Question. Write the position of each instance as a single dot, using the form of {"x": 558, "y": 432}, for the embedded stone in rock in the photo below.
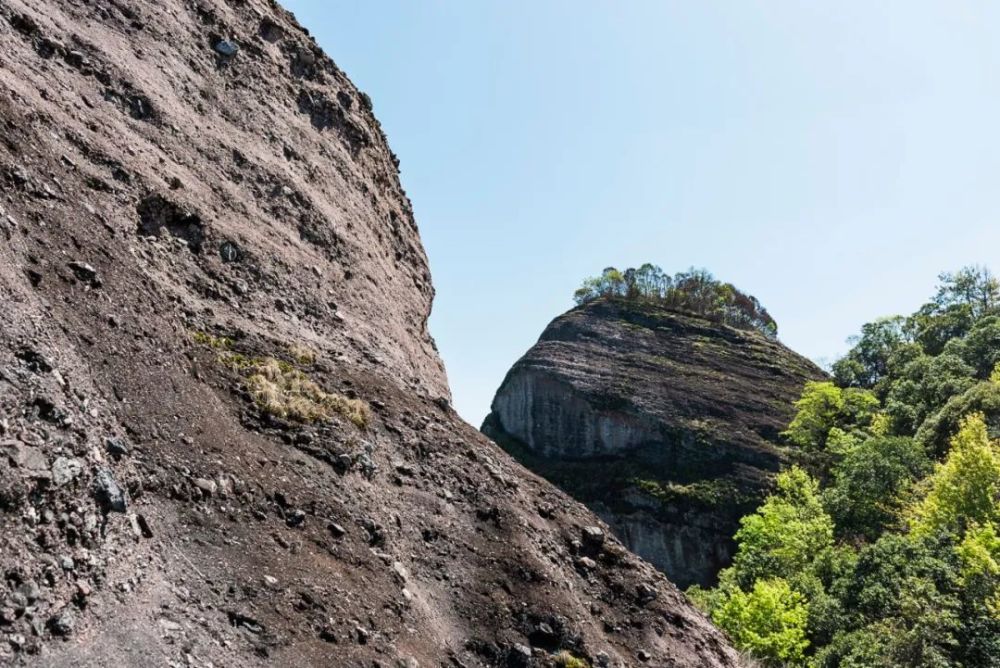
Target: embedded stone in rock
{"x": 270, "y": 31}
{"x": 116, "y": 447}
{"x": 64, "y": 470}
{"x": 84, "y": 272}
{"x": 29, "y": 590}
{"x": 34, "y": 360}
{"x": 593, "y": 537}
{"x": 206, "y": 486}
{"x": 159, "y": 216}
{"x": 144, "y": 529}
{"x": 63, "y": 623}
{"x": 230, "y": 252}
{"x": 108, "y": 492}
{"x": 51, "y": 412}
{"x": 226, "y": 48}
{"x": 16, "y": 602}
{"x": 519, "y": 656}
{"x": 645, "y": 593}
{"x": 32, "y": 460}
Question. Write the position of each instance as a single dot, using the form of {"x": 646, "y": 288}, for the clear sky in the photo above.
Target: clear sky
{"x": 830, "y": 160}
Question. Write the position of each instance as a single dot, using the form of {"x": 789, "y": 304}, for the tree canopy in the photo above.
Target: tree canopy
{"x": 694, "y": 291}
{"x": 881, "y": 546}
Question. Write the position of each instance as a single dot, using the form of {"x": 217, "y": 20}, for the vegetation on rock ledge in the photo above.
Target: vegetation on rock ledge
{"x": 280, "y": 389}
{"x": 694, "y": 291}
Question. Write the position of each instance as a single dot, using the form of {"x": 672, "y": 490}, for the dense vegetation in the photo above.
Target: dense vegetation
{"x": 694, "y": 291}
{"x": 881, "y": 546}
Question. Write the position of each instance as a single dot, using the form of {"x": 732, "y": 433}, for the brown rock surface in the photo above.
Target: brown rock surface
{"x": 665, "y": 424}
{"x": 203, "y": 236}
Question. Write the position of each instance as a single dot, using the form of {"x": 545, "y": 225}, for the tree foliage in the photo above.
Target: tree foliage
{"x": 825, "y": 407}
{"x": 965, "y": 488}
{"x": 786, "y": 533}
{"x": 694, "y": 291}
{"x": 892, "y": 545}
{"x": 870, "y": 484}
{"x": 769, "y": 621}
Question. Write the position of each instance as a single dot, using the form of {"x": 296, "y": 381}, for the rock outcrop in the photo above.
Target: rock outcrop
{"x": 665, "y": 424}
{"x": 225, "y": 433}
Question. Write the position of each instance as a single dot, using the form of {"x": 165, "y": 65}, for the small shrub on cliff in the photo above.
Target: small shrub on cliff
{"x": 212, "y": 341}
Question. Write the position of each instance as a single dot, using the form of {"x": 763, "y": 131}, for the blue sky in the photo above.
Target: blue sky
{"x": 830, "y": 159}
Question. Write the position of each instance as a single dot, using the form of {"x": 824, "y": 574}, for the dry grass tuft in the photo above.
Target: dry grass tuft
{"x": 302, "y": 354}
{"x": 282, "y": 390}
{"x": 566, "y": 660}
{"x": 278, "y": 388}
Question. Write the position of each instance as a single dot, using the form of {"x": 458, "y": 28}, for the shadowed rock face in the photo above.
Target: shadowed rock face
{"x": 663, "y": 423}
{"x": 225, "y": 436}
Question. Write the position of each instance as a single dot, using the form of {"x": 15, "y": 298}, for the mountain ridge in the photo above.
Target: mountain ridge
{"x": 225, "y": 430}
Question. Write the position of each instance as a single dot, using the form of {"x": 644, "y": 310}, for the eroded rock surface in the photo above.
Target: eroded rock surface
{"x": 664, "y": 424}
{"x": 225, "y": 437}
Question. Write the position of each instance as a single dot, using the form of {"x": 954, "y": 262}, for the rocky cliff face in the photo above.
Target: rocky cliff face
{"x": 664, "y": 424}
{"x": 225, "y": 436}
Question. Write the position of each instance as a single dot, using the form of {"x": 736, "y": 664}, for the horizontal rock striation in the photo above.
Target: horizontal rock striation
{"x": 663, "y": 423}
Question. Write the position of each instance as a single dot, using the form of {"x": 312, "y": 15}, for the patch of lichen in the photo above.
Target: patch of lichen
{"x": 279, "y": 388}
{"x": 608, "y": 480}
{"x": 212, "y": 341}
{"x": 709, "y": 493}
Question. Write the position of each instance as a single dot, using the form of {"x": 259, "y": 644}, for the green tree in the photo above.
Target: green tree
{"x": 868, "y": 360}
{"x": 979, "y": 561}
{"x": 962, "y": 298}
{"x": 980, "y": 348}
{"x": 785, "y": 535}
{"x": 870, "y": 482}
{"x": 923, "y": 386}
{"x": 965, "y": 488}
{"x": 823, "y": 407}
{"x": 694, "y": 291}
{"x": 904, "y": 588}
{"x": 936, "y": 431}
{"x": 973, "y": 286}
{"x": 769, "y": 622}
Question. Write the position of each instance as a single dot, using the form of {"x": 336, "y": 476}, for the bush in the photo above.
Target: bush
{"x": 769, "y": 622}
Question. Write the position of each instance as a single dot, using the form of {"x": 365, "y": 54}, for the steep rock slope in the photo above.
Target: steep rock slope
{"x": 663, "y": 423}
{"x": 225, "y": 436}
